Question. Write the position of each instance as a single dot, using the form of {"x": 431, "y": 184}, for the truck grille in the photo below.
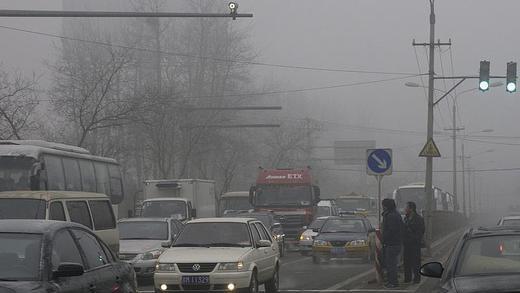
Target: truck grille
{"x": 191, "y": 267}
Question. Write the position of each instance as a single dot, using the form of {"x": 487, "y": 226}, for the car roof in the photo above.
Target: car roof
{"x": 223, "y": 220}
{"x": 50, "y": 195}
{"x": 143, "y": 219}
{"x": 34, "y": 226}
{"x": 166, "y": 198}
{"x": 493, "y": 231}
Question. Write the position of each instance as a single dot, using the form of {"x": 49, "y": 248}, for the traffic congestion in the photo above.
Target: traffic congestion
{"x": 158, "y": 146}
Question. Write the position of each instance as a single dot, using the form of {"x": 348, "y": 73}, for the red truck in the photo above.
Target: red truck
{"x": 290, "y": 194}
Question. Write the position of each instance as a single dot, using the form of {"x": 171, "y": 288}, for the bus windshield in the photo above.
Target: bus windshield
{"x": 15, "y": 173}
{"x": 280, "y": 195}
{"x": 415, "y": 194}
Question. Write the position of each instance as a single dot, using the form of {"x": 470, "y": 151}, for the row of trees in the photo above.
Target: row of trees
{"x": 145, "y": 93}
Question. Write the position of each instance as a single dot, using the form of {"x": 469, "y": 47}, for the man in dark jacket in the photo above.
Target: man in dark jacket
{"x": 391, "y": 228}
{"x": 412, "y": 239}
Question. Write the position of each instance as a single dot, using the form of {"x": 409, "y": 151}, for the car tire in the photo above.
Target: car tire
{"x": 253, "y": 284}
{"x": 316, "y": 259}
{"x": 273, "y": 285}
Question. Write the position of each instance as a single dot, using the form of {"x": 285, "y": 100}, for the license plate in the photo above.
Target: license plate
{"x": 195, "y": 280}
{"x": 338, "y": 251}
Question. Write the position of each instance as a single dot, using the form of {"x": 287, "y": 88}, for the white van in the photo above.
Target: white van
{"x": 93, "y": 210}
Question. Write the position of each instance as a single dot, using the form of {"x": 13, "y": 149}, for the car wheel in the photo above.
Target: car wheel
{"x": 253, "y": 284}
{"x": 273, "y": 285}
{"x": 316, "y": 259}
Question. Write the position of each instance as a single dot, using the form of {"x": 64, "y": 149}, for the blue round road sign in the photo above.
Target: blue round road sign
{"x": 379, "y": 161}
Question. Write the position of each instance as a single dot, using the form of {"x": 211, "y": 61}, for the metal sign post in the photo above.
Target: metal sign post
{"x": 379, "y": 182}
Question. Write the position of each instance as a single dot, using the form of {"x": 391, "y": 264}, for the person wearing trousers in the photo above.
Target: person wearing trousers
{"x": 412, "y": 242}
{"x": 392, "y": 227}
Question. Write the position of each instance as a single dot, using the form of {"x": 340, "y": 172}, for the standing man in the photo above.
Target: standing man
{"x": 392, "y": 228}
{"x": 412, "y": 240}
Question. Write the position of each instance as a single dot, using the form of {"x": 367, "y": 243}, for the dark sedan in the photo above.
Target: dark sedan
{"x": 484, "y": 260}
{"x": 344, "y": 237}
{"x": 51, "y": 256}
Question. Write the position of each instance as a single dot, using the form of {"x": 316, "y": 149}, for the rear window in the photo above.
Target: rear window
{"x": 22, "y": 208}
{"x": 78, "y": 213}
{"x": 102, "y": 213}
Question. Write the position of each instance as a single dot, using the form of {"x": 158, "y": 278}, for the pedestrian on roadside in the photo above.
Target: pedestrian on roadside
{"x": 412, "y": 242}
{"x": 392, "y": 227}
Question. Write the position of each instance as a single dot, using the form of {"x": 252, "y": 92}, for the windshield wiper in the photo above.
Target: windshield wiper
{"x": 190, "y": 245}
{"x": 223, "y": 244}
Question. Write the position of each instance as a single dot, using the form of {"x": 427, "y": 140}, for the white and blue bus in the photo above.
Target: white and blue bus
{"x": 41, "y": 165}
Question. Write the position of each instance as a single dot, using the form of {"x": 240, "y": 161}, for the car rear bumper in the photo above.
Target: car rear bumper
{"x": 350, "y": 252}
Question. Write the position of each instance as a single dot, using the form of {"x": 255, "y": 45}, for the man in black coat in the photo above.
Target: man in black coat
{"x": 412, "y": 240}
{"x": 391, "y": 228}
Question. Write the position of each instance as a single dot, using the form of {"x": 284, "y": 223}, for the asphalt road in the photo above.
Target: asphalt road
{"x": 299, "y": 273}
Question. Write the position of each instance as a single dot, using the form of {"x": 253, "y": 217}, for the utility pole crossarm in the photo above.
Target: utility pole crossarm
{"x": 114, "y": 14}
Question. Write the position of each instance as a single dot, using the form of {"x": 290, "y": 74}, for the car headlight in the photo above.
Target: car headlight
{"x": 321, "y": 243}
{"x": 231, "y": 266}
{"x": 154, "y": 254}
{"x": 278, "y": 236}
{"x": 358, "y": 243}
{"x": 305, "y": 237}
{"x": 165, "y": 267}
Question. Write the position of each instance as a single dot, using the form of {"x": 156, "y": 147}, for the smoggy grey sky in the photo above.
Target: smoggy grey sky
{"x": 371, "y": 35}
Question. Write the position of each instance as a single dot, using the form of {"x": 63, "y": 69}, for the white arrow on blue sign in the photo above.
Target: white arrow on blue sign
{"x": 379, "y": 162}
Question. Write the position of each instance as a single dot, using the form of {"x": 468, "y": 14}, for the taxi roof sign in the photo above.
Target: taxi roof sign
{"x": 430, "y": 149}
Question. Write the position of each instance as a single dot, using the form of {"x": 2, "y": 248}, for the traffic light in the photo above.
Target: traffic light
{"x": 511, "y": 77}
{"x": 484, "y": 76}
{"x": 233, "y": 7}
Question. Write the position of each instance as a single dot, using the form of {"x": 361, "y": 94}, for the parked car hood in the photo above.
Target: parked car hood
{"x": 341, "y": 236}
{"x": 139, "y": 246}
{"x": 21, "y": 286}
{"x": 202, "y": 254}
{"x": 502, "y": 283}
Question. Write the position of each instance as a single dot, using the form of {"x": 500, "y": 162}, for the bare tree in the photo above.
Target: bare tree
{"x": 18, "y": 101}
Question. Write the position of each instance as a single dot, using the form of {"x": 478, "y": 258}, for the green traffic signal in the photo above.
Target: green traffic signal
{"x": 511, "y": 77}
{"x": 484, "y": 76}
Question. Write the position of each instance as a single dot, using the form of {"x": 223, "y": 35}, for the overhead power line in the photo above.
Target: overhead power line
{"x": 435, "y": 171}
{"x": 177, "y": 54}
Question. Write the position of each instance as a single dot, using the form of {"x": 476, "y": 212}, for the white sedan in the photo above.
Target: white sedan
{"x": 220, "y": 254}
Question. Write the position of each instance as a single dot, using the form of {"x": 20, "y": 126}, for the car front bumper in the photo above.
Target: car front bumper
{"x": 218, "y": 281}
{"x": 350, "y": 252}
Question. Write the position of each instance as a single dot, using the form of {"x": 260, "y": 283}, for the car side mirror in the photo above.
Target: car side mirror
{"x": 263, "y": 243}
{"x": 305, "y": 227}
{"x": 166, "y": 244}
{"x": 432, "y": 270}
{"x": 68, "y": 270}
{"x": 193, "y": 213}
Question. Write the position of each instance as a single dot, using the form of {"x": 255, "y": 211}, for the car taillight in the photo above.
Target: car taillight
{"x": 117, "y": 289}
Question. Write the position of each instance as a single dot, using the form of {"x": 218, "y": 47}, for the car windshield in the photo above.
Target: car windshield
{"x": 15, "y": 173}
{"x": 22, "y": 208}
{"x": 343, "y": 225}
{"x": 235, "y": 204}
{"x": 317, "y": 224}
{"x": 143, "y": 230}
{"x": 490, "y": 255}
{"x": 323, "y": 211}
{"x": 165, "y": 209}
{"x": 352, "y": 204}
{"x": 20, "y": 256}
{"x": 511, "y": 222}
{"x": 217, "y": 234}
{"x": 284, "y": 195}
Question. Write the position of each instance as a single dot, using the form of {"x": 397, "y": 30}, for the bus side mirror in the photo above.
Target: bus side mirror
{"x": 316, "y": 190}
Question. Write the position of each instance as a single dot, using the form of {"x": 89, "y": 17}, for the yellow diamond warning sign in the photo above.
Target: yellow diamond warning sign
{"x": 430, "y": 150}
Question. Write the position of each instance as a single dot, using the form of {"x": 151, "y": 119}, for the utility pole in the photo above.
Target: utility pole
{"x": 454, "y": 136}
{"x": 429, "y": 137}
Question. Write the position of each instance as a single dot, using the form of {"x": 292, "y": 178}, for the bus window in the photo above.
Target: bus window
{"x": 102, "y": 182}
{"x": 88, "y": 178}
{"x": 72, "y": 177}
{"x": 116, "y": 184}
{"x": 55, "y": 177}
